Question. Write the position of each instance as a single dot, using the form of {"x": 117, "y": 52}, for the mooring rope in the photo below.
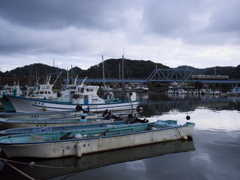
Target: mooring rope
{"x": 7, "y": 160}
{"x": 179, "y": 132}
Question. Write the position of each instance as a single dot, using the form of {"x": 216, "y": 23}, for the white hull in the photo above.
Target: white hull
{"x": 30, "y": 105}
{"x": 95, "y": 160}
{"x": 91, "y": 145}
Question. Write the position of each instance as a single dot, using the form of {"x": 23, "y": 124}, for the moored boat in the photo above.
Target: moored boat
{"x": 235, "y": 92}
{"x": 77, "y": 143}
{"x": 9, "y": 90}
{"x": 86, "y": 96}
{"x": 99, "y": 124}
{"x": 40, "y": 114}
{"x": 22, "y": 123}
{"x": 46, "y": 168}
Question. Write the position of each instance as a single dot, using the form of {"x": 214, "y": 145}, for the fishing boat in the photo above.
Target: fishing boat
{"x": 15, "y": 89}
{"x": 43, "y": 91}
{"x": 9, "y": 90}
{"x": 99, "y": 124}
{"x": 48, "y": 114}
{"x": 145, "y": 88}
{"x": 235, "y": 92}
{"x": 43, "y": 123}
{"x": 47, "y": 168}
{"x": 80, "y": 142}
{"x": 86, "y": 96}
{"x": 114, "y": 121}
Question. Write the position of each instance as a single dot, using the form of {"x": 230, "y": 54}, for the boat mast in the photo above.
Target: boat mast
{"x": 123, "y": 86}
{"x": 103, "y": 73}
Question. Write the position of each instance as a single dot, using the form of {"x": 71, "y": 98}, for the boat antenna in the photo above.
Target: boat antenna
{"x": 75, "y": 82}
{"x": 103, "y": 72}
{"x": 57, "y": 78}
{"x": 83, "y": 81}
{"x": 123, "y": 86}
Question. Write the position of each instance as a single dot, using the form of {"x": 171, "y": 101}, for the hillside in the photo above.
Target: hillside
{"x": 133, "y": 69}
{"x": 232, "y": 72}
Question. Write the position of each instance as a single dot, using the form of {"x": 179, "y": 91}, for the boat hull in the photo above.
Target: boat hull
{"x": 79, "y": 147}
{"x": 7, "y": 105}
{"x": 73, "y": 164}
{"x": 40, "y": 114}
{"x": 39, "y": 124}
{"x": 30, "y": 105}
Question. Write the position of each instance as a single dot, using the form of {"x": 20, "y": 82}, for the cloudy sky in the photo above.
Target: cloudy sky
{"x": 199, "y": 33}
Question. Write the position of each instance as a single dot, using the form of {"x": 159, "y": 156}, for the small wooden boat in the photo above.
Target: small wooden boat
{"x": 99, "y": 124}
{"x": 79, "y": 142}
{"x": 39, "y": 114}
{"x": 47, "y": 168}
{"x": 66, "y": 120}
{"x": 23, "y": 123}
{"x": 69, "y": 116}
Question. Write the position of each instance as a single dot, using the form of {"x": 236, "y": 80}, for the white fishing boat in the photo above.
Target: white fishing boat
{"x": 43, "y": 91}
{"x": 67, "y": 92}
{"x": 137, "y": 87}
{"x": 9, "y": 90}
{"x": 145, "y": 88}
{"x": 85, "y": 96}
{"x": 235, "y": 92}
{"x": 80, "y": 142}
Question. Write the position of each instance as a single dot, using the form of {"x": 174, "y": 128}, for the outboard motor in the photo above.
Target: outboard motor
{"x": 133, "y": 119}
{"x": 130, "y": 119}
{"x": 107, "y": 114}
{"x": 79, "y": 108}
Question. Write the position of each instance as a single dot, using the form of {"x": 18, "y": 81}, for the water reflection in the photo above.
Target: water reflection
{"x": 159, "y": 104}
{"x": 216, "y": 140}
{"x": 55, "y": 167}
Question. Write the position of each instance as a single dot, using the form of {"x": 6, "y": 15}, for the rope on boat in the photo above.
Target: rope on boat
{"x": 179, "y": 132}
{"x": 184, "y": 137}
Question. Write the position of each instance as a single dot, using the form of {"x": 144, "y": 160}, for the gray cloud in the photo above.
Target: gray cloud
{"x": 61, "y": 14}
{"x": 169, "y": 32}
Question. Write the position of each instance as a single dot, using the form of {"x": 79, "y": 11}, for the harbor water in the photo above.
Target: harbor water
{"x": 212, "y": 154}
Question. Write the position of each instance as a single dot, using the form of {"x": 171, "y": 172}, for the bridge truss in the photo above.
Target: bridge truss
{"x": 172, "y": 75}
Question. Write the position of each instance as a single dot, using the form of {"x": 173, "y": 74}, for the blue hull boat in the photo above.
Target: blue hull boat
{"x": 85, "y": 141}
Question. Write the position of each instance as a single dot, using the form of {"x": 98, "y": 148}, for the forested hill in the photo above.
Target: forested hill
{"x": 132, "y": 69}
{"x": 232, "y": 72}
